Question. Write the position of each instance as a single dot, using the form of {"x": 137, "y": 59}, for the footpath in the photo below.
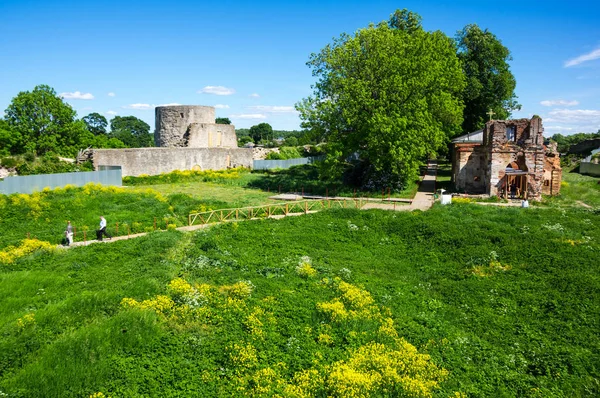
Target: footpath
{"x": 423, "y": 200}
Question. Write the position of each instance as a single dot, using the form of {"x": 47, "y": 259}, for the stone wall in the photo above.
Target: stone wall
{"x": 152, "y": 161}
{"x": 468, "y": 168}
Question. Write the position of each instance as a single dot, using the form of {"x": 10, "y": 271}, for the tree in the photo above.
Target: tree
{"x": 490, "y": 83}
{"x": 134, "y": 132}
{"x": 261, "y": 131}
{"x": 243, "y": 140}
{"x": 96, "y": 123}
{"x": 10, "y": 140}
{"x": 389, "y": 94}
{"x": 222, "y": 120}
{"x": 45, "y": 122}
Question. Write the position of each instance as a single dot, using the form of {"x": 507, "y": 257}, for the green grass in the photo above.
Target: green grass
{"x": 305, "y": 179}
{"x": 576, "y": 189}
{"x": 505, "y": 299}
{"x": 232, "y": 195}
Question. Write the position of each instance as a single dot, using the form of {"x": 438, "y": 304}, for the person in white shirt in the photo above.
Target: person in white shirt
{"x": 102, "y": 230}
{"x": 69, "y": 233}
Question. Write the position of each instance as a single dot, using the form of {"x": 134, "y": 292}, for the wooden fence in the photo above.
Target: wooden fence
{"x": 272, "y": 210}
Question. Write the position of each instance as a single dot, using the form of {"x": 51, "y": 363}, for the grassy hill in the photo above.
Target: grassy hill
{"x": 457, "y": 301}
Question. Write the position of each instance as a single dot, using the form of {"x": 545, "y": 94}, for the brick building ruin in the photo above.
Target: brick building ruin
{"x": 507, "y": 158}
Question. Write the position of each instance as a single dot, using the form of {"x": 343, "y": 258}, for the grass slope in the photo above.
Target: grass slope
{"x": 503, "y": 300}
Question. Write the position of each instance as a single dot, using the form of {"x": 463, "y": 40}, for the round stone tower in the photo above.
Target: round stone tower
{"x": 173, "y": 123}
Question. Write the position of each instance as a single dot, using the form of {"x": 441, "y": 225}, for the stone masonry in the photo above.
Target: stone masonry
{"x": 191, "y": 126}
{"x": 186, "y": 138}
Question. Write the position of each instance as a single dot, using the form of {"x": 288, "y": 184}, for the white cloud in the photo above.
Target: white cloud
{"x": 249, "y": 116}
{"x": 77, "y": 95}
{"x": 170, "y": 104}
{"x": 111, "y": 113}
{"x": 111, "y": 94}
{"x": 583, "y": 58}
{"x": 221, "y": 106}
{"x": 573, "y": 120}
{"x": 217, "y": 90}
{"x": 559, "y": 103}
{"x": 254, "y": 95}
{"x": 273, "y": 109}
{"x": 139, "y": 107}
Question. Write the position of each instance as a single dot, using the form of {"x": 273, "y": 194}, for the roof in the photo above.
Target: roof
{"x": 476, "y": 136}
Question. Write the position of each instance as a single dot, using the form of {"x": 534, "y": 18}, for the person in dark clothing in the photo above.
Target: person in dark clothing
{"x": 513, "y": 190}
{"x": 102, "y": 230}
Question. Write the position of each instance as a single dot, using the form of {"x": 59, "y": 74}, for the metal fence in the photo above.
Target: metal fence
{"x": 33, "y": 183}
{"x": 589, "y": 168}
{"x": 282, "y": 164}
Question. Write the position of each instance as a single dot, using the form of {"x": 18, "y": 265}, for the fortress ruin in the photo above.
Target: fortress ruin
{"x": 186, "y": 138}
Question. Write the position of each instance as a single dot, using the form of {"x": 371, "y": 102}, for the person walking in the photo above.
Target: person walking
{"x": 102, "y": 230}
{"x": 69, "y": 233}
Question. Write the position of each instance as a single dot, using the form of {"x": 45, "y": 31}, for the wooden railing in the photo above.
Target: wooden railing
{"x": 272, "y": 210}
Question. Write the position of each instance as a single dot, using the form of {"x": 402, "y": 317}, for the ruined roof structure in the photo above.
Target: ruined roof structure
{"x": 506, "y": 158}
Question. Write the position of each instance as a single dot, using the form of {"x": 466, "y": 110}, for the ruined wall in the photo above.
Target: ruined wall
{"x": 468, "y": 168}
{"x": 523, "y": 146}
{"x": 204, "y": 135}
{"x": 552, "y": 171}
{"x": 152, "y": 161}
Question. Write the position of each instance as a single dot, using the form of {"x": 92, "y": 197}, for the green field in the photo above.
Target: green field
{"x": 462, "y": 299}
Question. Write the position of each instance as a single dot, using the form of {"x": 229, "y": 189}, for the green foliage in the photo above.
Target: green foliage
{"x": 223, "y": 120}
{"x": 290, "y": 141}
{"x": 133, "y": 132}
{"x": 389, "y": 93}
{"x": 565, "y": 142}
{"x": 44, "y": 215}
{"x": 490, "y": 83}
{"x": 10, "y": 140}
{"x": 96, "y": 123}
{"x": 243, "y": 140}
{"x": 285, "y": 153}
{"x": 29, "y": 164}
{"x": 479, "y": 301}
{"x": 308, "y": 179}
{"x": 45, "y": 123}
{"x": 261, "y": 131}
{"x": 178, "y": 176}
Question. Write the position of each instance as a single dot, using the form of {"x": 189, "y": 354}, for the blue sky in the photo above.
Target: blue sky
{"x": 249, "y": 58}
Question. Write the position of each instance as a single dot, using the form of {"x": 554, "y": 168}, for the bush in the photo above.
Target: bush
{"x": 9, "y": 163}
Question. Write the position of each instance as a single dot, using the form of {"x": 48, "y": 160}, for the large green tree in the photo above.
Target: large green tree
{"x": 96, "y": 123}
{"x": 46, "y": 123}
{"x": 490, "y": 83}
{"x": 261, "y": 131}
{"x": 389, "y": 93}
{"x": 134, "y": 132}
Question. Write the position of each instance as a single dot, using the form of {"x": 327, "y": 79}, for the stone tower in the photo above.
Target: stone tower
{"x": 191, "y": 126}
